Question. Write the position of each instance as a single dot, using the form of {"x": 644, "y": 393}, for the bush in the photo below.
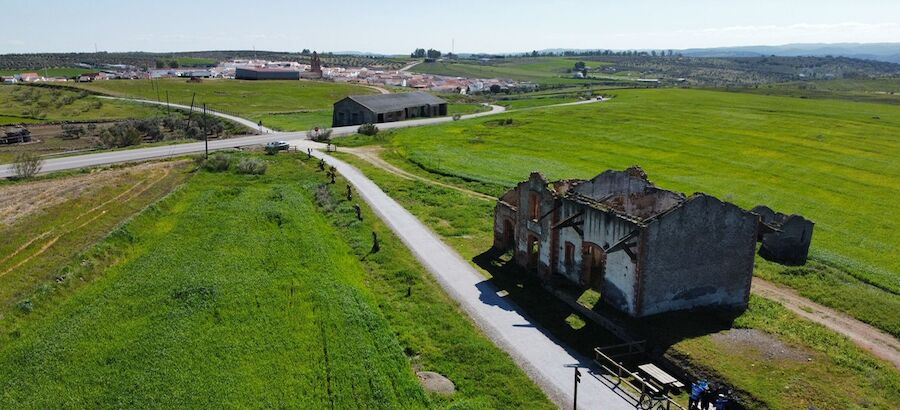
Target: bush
{"x": 456, "y": 117}
{"x": 27, "y": 165}
{"x": 251, "y": 166}
{"x": 73, "y": 131}
{"x": 368, "y": 129}
{"x": 120, "y": 135}
{"x": 319, "y": 134}
{"x": 271, "y": 150}
{"x": 218, "y": 162}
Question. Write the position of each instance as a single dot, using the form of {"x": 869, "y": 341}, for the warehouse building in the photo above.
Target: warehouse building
{"x": 266, "y": 74}
{"x": 371, "y": 109}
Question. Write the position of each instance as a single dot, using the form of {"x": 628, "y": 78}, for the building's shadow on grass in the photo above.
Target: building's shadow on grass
{"x": 548, "y": 311}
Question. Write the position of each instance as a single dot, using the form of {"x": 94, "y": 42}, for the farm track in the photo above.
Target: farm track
{"x": 863, "y": 335}
{"x": 373, "y": 156}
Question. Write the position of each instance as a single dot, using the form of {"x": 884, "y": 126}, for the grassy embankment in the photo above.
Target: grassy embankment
{"x": 816, "y": 158}
{"x": 282, "y": 105}
{"x": 240, "y": 290}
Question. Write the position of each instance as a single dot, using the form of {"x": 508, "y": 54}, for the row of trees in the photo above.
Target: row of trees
{"x": 422, "y": 53}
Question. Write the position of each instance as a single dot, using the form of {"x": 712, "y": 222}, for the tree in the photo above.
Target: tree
{"x": 419, "y": 53}
{"x": 305, "y": 51}
{"x": 534, "y": 53}
{"x": 27, "y": 165}
{"x": 160, "y": 64}
{"x": 580, "y": 66}
{"x": 432, "y": 53}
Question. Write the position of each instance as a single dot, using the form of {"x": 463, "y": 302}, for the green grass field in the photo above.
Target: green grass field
{"x": 541, "y": 70}
{"x": 832, "y": 161}
{"x": 29, "y": 105}
{"x": 67, "y": 72}
{"x": 285, "y": 105}
{"x": 876, "y": 90}
{"x": 839, "y": 375}
{"x": 240, "y": 291}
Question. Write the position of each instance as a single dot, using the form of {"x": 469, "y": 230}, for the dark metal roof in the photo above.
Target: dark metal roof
{"x": 382, "y": 103}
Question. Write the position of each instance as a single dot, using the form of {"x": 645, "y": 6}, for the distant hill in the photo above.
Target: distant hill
{"x": 889, "y": 52}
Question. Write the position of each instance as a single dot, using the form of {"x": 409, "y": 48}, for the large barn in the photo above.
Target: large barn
{"x": 266, "y": 74}
{"x": 371, "y": 109}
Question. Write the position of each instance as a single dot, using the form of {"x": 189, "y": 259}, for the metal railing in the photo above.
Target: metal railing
{"x": 646, "y": 395}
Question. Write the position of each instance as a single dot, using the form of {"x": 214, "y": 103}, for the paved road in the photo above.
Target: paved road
{"x": 139, "y": 154}
{"x": 546, "y": 360}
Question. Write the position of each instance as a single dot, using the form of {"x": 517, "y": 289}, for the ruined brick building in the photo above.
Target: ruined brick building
{"x": 646, "y": 250}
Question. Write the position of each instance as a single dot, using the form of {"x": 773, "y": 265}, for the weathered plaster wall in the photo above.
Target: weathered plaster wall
{"x": 697, "y": 255}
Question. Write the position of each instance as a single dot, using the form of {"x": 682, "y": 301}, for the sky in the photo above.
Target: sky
{"x": 395, "y": 27}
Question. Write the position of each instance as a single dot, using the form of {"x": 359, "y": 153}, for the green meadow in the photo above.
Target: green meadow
{"x": 246, "y": 291}
{"x": 831, "y": 161}
{"x": 285, "y": 105}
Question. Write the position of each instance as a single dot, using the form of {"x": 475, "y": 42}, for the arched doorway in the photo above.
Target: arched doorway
{"x": 593, "y": 265}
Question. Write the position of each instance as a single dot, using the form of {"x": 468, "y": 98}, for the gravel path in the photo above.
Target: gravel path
{"x": 546, "y": 360}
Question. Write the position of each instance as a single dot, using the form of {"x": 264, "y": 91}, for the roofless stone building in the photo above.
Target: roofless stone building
{"x": 646, "y": 250}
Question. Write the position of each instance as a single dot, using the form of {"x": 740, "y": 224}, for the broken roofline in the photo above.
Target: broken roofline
{"x": 598, "y": 204}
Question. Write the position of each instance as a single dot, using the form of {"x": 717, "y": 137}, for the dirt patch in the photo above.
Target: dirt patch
{"x": 762, "y": 344}
{"x": 863, "y": 335}
{"x": 25, "y": 199}
{"x": 435, "y": 382}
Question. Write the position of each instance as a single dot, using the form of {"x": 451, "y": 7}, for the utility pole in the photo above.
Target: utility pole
{"x": 191, "y": 112}
{"x": 205, "y": 135}
{"x": 575, "y": 397}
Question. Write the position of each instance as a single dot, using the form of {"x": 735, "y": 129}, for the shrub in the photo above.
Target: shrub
{"x": 218, "y": 162}
{"x": 456, "y": 117}
{"x": 319, "y": 134}
{"x": 27, "y": 165}
{"x": 251, "y": 166}
{"x": 271, "y": 150}
{"x": 72, "y": 131}
{"x": 368, "y": 129}
{"x": 120, "y": 135}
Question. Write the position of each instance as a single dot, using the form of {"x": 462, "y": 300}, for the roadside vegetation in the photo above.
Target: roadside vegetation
{"x": 282, "y": 105}
{"x": 67, "y": 72}
{"x": 238, "y": 290}
{"x": 773, "y": 358}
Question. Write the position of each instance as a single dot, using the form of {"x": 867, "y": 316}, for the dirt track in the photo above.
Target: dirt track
{"x": 372, "y": 155}
{"x": 879, "y": 343}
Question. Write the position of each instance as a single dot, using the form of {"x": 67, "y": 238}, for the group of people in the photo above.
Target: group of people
{"x": 704, "y": 393}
